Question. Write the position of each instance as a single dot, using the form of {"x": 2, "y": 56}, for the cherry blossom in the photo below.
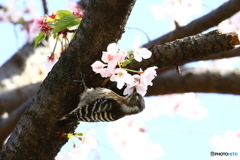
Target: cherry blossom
{"x": 53, "y": 16}
{"x": 46, "y": 29}
{"x": 112, "y": 56}
{"x": 37, "y": 25}
{"x": 50, "y": 62}
{"x": 121, "y": 77}
{"x": 131, "y": 141}
{"x": 78, "y": 12}
{"x": 12, "y": 14}
{"x": 73, "y": 154}
{"x": 158, "y": 11}
{"x": 187, "y": 105}
{"x": 76, "y": 153}
{"x": 138, "y": 52}
{"x": 148, "y": 75}
{"x": 88, "y": 141}
{"x": 141, "y": 82}
{"x": 115, "y": 58}
{"x": 98, "y": 66}
{"x": 182, "y": 11}
{"x": 2, "y": 15}
{"x": 136, "y": 85}
{"x": 123, "y": 55}
{"x": 40, "y": 25}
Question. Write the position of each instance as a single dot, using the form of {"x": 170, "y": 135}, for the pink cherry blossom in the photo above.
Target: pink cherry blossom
{"x": 141, "y": 89}
{"x": 46, "y": 29}
{"x": 136, "y": 85}
{"x": 148, "y": 75}
{"x": 107, "y": 72}
{"x": 74, "y": 154}
{"x": 140, "y": 53}
{"x": 40, "y": 25}
{"x": 121, "y": 77}
{"x": 123, "y": 54}
{"x": 98, "y": 66}
{"x": 53, "y": 16}
{"x": 112, "y": 56}
{"x": 130, "y": 139}
{"x": 88, "y": 141}
{"x": 78, "y": 12}
{"x": 51, "y": 58}
{"x": 158, "y": 12}
{"x": 50, "y": 62}
{"x": 37, "y": 25}
{"x": 11, "y": 13}
{"x": 182, "y": 11}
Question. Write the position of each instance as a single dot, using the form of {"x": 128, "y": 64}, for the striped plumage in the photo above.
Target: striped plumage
{"x": 104, "y": 105}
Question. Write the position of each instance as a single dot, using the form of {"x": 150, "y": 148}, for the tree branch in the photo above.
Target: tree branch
{"x": 18, "y": 95}
{"x": 22, "y": 69}
{"x": 197, "y": 80}
{"x": 45, "y": 9}
{"x": 227, "y": 54}
{"x": 38, "y": 132}
{"x": 188, "y": 49}
{"x": 7, "y": 125}
{"x": 211, "y": 19}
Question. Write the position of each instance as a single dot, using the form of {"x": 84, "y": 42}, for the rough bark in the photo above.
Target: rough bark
{"x": 224, "y": 81}
{"x": 37, "y": 135}
{"x": 228, "y": 54}
{"x": 188, "y": 49}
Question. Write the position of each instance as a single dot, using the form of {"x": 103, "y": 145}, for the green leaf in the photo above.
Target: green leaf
{"x": 39, "y": 38}
{"x": 62, "y": 13}
{"x": 74, "y": 23}
{"x": 67, "y": 21}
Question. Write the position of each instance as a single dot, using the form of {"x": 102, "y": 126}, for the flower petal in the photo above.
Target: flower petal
{"x": 137, "y": 56}
{"x": 145, "y": 53}
{"x": 112, "y": 48}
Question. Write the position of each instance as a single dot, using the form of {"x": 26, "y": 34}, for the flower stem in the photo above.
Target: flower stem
{"x": 54, "y": 47}
{"x": 131, "y": 70}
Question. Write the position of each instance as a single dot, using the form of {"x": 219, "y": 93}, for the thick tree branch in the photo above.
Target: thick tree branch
{"x": 18, "y": 95}
{"x": 197, "y": 80}
{"x": 7, "y": 125}
{"x": 18, "y": 72}
{"x": 212, "y": 19}
{"x": 227, "y": 54}
{"x": 38, "y": 132}
{"x": 188, "y": 49}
